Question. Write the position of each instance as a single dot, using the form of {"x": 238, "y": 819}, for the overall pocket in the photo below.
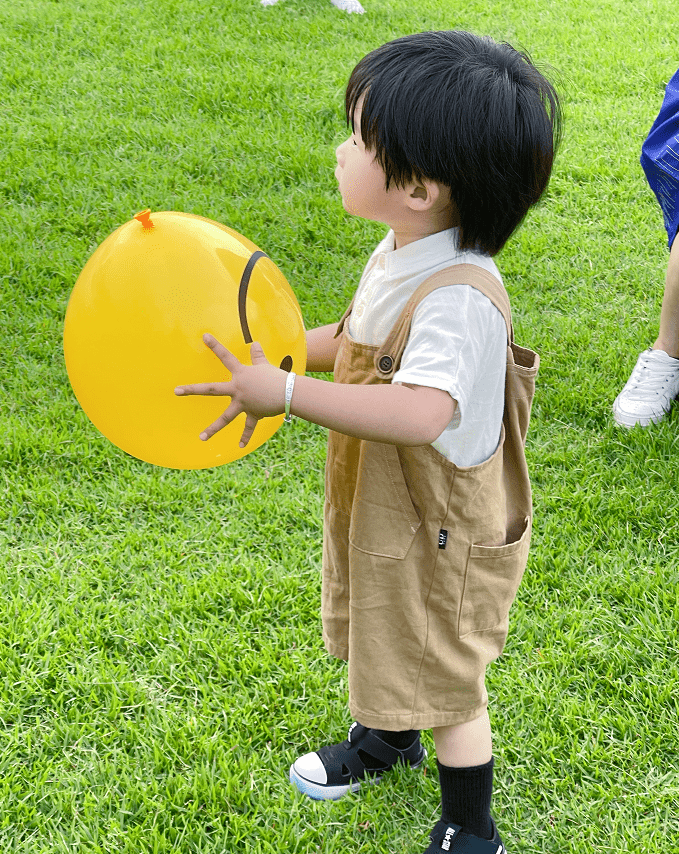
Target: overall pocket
{"x": 383, "y": 519}
{"x": 492, "y": 578}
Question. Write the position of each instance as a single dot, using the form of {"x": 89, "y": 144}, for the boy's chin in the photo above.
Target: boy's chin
{"x": 361, "y": 214}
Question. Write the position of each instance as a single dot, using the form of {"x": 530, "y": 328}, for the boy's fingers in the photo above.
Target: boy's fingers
{"x": 225, "y": 356}
{"x": 257, "y": 354}
{"x": 250, "y": 424}
{"x": 220, "y": 389}
{"x": 225, "y": 418}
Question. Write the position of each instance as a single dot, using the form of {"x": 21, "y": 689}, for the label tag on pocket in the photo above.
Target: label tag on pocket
{"x": 443, "y": 538}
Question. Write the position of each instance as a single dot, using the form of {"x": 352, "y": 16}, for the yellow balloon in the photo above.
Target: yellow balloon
{"x": 134, "y": 327}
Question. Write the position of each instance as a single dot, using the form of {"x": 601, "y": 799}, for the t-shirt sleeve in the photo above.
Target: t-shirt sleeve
{"x": 456, "y": 333}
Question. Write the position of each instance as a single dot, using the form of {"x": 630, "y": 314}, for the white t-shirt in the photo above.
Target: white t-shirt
{"x": 458, "y": 339}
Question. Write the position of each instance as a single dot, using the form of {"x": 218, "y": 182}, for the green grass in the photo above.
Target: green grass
{"x": 160, "y": 643}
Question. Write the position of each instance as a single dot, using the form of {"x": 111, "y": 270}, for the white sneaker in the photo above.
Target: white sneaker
{"x": 349, "y": 6}
{"x": 650, "y": 390}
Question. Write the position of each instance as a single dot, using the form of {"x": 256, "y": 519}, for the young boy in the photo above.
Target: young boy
{"x": 647, "y": 395}
{"x": 425, "y": 533}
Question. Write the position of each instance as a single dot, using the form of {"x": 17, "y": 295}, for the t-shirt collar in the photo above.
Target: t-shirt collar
{"x": 419, "y": 255}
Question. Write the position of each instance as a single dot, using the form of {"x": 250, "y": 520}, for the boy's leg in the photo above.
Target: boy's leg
{"x": 465, "y": 762}
{"x": 464, "y": 745}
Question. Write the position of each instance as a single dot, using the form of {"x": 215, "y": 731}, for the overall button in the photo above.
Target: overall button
{"x": 385, "y": 364}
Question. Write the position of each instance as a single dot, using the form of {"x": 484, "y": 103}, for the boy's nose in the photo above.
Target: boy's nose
{"x": 339, "y": 153}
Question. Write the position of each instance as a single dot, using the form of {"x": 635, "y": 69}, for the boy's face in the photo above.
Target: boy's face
{"x": 412, "y": 211}
{"x": 362, "y": 182}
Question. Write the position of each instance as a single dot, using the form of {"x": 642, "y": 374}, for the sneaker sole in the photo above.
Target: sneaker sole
{"x": 630, "y": 421}
{"x": 319, "y": 792}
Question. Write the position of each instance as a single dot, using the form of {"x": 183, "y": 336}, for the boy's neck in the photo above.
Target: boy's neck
{"x": 403, "y": 238}
{"x": 423, "y": 224}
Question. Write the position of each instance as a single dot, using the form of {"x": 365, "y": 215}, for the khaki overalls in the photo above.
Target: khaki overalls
{"x": 422, "y": 558}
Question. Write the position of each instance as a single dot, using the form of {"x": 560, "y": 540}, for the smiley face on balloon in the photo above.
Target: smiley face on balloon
{"x": 135, "y": 324}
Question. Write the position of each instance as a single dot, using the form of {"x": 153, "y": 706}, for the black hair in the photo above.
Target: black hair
{"x": 467, "y": 112}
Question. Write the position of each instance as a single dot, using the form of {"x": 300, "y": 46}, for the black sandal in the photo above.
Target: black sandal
{"x": 449, "y": 837}
{"x": 332, "y": 771}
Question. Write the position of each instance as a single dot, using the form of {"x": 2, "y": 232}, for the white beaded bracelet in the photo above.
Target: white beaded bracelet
{"x": 289, "y": 386}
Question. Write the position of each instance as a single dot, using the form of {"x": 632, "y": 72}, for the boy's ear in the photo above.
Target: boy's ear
{"x": 423, "y": 195}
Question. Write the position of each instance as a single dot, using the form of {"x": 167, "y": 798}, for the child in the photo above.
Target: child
{"x": 427, "y": 515}
{"x": 654, "y": 383}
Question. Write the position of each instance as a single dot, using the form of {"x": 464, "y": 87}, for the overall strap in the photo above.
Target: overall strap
{"x": 388, "y": 356}
{"x": 344, "y": 318}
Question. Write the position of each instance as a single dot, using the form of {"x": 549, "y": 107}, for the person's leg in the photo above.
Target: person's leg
{"x": 465, "y": 744}
{"x": 668, "y": 337}
{"x": 465, "y": 761}
{"x": 654, "y": 383}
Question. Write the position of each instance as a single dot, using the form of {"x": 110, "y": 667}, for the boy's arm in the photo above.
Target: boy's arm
{"x": 395, "y": 414}
{"x": 322, "y": 347}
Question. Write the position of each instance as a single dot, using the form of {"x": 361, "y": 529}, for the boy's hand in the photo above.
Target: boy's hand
{"x": 258, "y": 390}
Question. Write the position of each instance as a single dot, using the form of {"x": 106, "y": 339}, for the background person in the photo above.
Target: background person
{"x": 654, "y": 383}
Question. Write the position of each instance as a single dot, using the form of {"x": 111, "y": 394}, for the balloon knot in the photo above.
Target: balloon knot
{"x": 144, "y": 217}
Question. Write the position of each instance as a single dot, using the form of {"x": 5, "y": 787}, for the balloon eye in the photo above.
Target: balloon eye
{"x": 286, "y": 364}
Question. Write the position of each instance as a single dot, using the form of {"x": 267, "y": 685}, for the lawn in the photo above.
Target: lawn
{"x": 160, "y": 650}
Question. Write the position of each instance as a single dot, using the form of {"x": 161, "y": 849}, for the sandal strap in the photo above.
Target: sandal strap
{"x": 345, "y": 761}
{"x": 447, "y": 836}
{"x": 373, "y": 745}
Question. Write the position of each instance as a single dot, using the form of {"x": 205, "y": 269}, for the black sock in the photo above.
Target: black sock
{"x": 465, "y": 797}
{"x": 399, "y": 740}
